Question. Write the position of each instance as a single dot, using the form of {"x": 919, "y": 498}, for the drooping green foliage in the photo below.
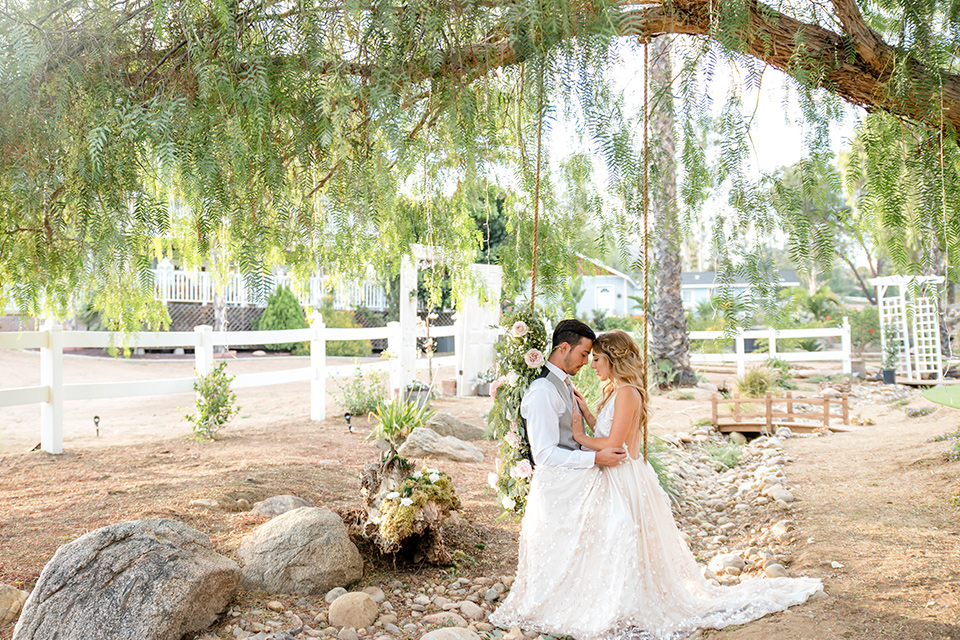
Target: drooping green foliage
{"x": 244, "y": 134}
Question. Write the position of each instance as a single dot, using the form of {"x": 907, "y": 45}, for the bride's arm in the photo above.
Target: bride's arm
{"x": 626, "y": 406}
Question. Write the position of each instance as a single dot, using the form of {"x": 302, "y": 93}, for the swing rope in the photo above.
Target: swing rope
{"x": 536, "y": 194}
{"x": 646, "y": 223}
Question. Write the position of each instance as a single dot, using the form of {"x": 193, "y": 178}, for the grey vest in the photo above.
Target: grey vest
{"x": 566, "y": 418}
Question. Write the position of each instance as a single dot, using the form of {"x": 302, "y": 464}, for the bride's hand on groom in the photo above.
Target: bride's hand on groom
{"x": 584, "y": 407}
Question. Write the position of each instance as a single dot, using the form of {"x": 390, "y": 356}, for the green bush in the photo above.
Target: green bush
{"x": 216, "y": 402}
{"x": 756, "y": 382}
{"x": 396, "y": 419}
{"x": 363, "y": 394}
{"x": 864, "y": 329}
{"x": 780, "y": 369}
{"x": 283, "y": 312}
{"x": 342, "y": 319}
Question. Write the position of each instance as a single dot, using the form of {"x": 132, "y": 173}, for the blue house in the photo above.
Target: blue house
{"x": 697, "y": 286}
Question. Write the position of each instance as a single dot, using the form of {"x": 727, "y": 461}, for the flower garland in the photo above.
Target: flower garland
{"x": 520, "y": 356}
{"x": 399, "y": 508}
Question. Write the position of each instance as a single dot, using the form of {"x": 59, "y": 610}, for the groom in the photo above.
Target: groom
{"x": 548, "y": 405}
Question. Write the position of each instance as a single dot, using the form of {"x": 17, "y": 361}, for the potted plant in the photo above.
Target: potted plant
{"x": 891, "y": 354}
{"x": 418, "y": 393}
{"x": 484, "y": 378}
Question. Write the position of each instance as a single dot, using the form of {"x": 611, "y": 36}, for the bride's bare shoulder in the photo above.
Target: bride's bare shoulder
{"x": 627, "y": 397}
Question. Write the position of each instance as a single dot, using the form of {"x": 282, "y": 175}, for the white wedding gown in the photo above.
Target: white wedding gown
{"x": 602, "y": 558}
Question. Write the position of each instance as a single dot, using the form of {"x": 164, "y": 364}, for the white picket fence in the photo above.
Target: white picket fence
{"x": 176, "y": 285}
{"x": 771, "y": 335}
{"x": 52, "y": 339}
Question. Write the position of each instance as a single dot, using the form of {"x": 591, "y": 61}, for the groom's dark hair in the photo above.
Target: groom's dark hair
{"x": 571, "y": 331}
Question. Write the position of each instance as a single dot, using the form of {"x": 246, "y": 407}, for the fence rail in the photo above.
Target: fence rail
{"x": 52, "y": 339}
{"x": 175, "y": 285}
{"x": 741, "y": 357}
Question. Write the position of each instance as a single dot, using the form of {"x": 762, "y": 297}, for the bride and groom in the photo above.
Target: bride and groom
{"x": 600, "y": 554}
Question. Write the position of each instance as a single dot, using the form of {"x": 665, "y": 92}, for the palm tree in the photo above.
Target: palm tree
{"x": 669, "y": 343}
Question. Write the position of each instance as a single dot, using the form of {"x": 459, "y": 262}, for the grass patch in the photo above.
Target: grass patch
{"x": 724, "y": 454}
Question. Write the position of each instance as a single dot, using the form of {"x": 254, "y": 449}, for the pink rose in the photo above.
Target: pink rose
{"x": 512, "y": 439}
{"x": 533, "y": 358}
{"x": 524, "y": 469}
{"x": 519, "y": 329}
{"x": 493, "y": 388}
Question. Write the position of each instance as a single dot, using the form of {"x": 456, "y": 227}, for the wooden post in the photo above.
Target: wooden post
{"x": 714, "y": 410}
{"x": 846, "y": 408}
{"x": 51, "y": 377}
{"x": 769, "y": 413}
{"x": 318, "y": 362}
{"x": 736, "y": 406}
{"x": 826, "y": 412}
{"x": 790, "y": 406}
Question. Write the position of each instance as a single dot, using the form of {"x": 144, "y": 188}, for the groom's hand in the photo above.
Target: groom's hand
{"x": 610, "y": 457}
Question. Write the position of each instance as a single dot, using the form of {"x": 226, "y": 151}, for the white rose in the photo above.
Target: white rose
{"x": 492, "y": 480}
{"x": 513, "y": 378}
{"x": 434, "y": 477}
{"x": 431, "y": 471}
{"x": 519, "y": 329}
{"x": 508, "y": 503}
{"x": 406, "y": 502}
{"x": 393, "y": 495}
{"x": 418, "y": 475}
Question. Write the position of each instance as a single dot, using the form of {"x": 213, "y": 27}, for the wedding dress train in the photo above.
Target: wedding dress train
{"x": 601, "y": 557}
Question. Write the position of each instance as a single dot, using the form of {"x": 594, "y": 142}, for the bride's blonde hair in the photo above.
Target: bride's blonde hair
{"x": 626, "y": 369}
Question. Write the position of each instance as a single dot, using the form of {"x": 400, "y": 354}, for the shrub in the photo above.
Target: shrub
{"x": 756, "y": 382}
{"x": 781, "y": 372}
{"x": 864, "y": 329}
{"x": 362, "y": 394}
{"x": 216, "y": 402}
{"x": 283, "y": 312}
{"x": 396, "y": 419}
{"x": 341, "y": 319}
{"x": 724, "y": 454}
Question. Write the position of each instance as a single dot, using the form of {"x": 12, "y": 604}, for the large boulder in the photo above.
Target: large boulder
{"x": 11, "y": 601}
{"x": 427, "y": 443}
{"x": 278, "y": 505}
{"x": 448, "y": 425}
{"x": 305, "y": 552}
{"x": 146, "y": 579}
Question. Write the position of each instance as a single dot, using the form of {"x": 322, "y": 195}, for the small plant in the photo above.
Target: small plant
{"x": 781, "y": 371}
{"x": 891, "y": 347}
{"x": 864, "y": 329}
{"x": 724, "y": 454}
{"x": 809, "y": 344}
{"x": 666, "y": 374}
{"x": 756, "y": 382}
{"x": 953, "y": 444}
{"x": 918, "y": 412}
{"x": 487, "y": 376}
{"x": 704, "y": 423}
{"x": 363, "y": 394}
{"x": 216, "y": 403}
{"x": 396, "y": 419}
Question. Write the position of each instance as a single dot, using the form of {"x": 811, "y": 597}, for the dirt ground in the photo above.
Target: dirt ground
{"x": 877, "y": 500}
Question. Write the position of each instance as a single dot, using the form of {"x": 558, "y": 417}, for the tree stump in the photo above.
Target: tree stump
{"x": 406, "y": 530}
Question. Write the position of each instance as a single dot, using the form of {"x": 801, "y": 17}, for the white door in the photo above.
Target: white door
{"x": 606, "y": 298}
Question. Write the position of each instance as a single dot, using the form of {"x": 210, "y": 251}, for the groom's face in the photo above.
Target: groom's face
{"x": 575, "y": 356}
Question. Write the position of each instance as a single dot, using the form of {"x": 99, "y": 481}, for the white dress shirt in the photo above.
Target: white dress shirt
{"x": 541, "y": 407}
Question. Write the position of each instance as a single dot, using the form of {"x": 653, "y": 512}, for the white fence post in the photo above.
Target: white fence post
{"x": 772, "y": 340}
{"x": 318, "y": 362}
{"x": 394, "y": 345}
{"x": 203, "y": 352}
{"x": 408, "y": 322}
{"x": 741, "y": 352}
{"x": 51, "y": 376}
{"x": 845, "y": 346}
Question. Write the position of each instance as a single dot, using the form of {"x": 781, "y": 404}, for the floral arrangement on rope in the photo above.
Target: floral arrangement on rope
{"x": 399, "y": 508}
{"x": 520, "y": 356}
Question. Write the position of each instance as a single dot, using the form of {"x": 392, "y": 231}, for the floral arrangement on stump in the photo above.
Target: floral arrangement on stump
{"x": 520, "y": 356}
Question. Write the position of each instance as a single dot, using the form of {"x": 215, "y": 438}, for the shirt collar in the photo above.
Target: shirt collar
{"x": 560, "y": 373}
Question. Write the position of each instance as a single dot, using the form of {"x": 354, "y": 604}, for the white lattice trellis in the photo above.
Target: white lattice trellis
{"x": 912, "y": 310}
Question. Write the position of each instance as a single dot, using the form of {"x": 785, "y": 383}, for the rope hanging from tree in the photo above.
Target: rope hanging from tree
{"x": 536, "y": 194}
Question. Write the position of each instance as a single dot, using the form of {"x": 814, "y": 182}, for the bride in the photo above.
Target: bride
{"x": 600, "y": 554}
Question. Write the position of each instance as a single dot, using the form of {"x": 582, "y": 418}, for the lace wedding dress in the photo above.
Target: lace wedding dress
{"x": 602, "y": 558}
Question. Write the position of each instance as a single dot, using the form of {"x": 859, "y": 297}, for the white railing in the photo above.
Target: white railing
{"x": 52, "y": 339}
{"x": 174, "y": 285}
{"x": 771, "y": 335}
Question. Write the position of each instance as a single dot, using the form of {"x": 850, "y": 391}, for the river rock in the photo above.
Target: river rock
{"x": 723, "y": 561}
{"x": 356, "y": 610}
{"x": 11, "y": 602}
{"x": 376, "y": 593}
{"x": 427, "y": 443}
{"x": 153, "y": 579}
{"x": 448, "y": 425}
{"x": 445, "y": 619}
{"x": 782, "y": 530}
{"x": 774, "y": 570}
{"x": 451, "y": 633}
{"x": 738, "y": 438}
{"x": 472, "y": 610}
{"x": 782, "y": 494}
{"x": 333, "y": 594}
{"x": 277, "y": 505}
{"x": 305, "y": 551}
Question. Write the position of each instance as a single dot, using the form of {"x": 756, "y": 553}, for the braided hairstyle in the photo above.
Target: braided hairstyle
{"x": 626, "y": 369}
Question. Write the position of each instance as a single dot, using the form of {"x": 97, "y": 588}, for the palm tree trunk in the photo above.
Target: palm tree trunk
{"x": 669, "y": 343}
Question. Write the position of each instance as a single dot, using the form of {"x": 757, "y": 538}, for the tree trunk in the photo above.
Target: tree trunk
{"x": 669, "y": 343}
